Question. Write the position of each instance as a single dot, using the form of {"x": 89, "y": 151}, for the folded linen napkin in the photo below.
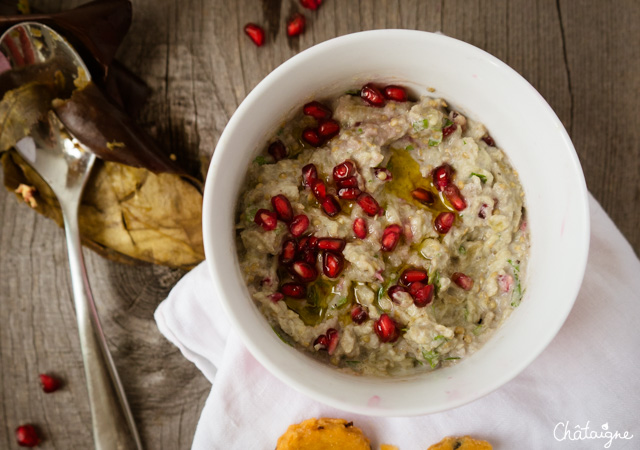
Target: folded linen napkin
{"x": 582, "y": 392}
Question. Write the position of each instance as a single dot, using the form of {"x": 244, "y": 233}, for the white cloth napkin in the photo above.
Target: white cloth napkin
{"x": 582, "y": 389}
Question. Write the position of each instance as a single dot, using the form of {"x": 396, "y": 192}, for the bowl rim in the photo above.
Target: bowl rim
{"x": 255, "y": 349}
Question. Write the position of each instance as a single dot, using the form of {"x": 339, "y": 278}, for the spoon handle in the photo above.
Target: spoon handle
{"x": 113, "y": 424}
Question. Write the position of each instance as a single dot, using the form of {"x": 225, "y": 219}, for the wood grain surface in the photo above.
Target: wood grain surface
{"x": 582, "y": 56}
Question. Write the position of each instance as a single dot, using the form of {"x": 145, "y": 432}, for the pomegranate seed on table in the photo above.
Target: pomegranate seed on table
{"x": 299, "y": 225}
{"x": 27, "y": 436}
{"x": 383, "y": 174}
{"x": 277, "y": 150}
{"x": 350, "y": 182}
{"x": 332, "y": 336}
{"x": 446, "y": 131}
{"x": 319, "y": 189}
{"x": 255, "y": 33}
{"x": 266, "y": 219}
{"x": 442, "y": 176}
{"x": 422, "y": 293}
{"x": 282, "y": 207}
{"x": 395, "y": 290}
{"x": 296, "y": 25}
{"x": 49, "y": 383}
{"x": 276, "y": 297}
{"x": 443, "y": 222}
{"x": 358, "y": 314}
{"x": 332, "y": 264}
{"x": 316, "y": 110}
{"x": 344, "y": 170}
{"x": 390, "y": 237}
{"x": 312, "y": 137}
{"x": 330, "y": 206}
{"x": 294, "y": 290}
{"x": 304, "y": 271}
{"x": 360, "y": 228}
{"x": 395, "y": 93}
{"x": 372, "y": 95}
{"x": 309, "y": 174}
{"x": 412, "y": 275}
{"x": 423, "y": 196}
{"x": 349, "y": 193}
{"x": 462, "y": 280}
{"x": 328, "y": 129}
{"x": 333, "y": 244}
{"x": 386, "y": 329}
{"x": 488, "y": 140}
{"x": 311, "y": 4}
{"x": 452, "y": 193}
{"x": 368, "y": 204}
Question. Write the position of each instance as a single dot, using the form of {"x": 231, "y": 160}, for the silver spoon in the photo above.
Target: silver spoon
{"x": 65, "y": 164}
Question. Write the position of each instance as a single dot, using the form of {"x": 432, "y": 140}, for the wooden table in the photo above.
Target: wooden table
{"x": 583, "y": 57}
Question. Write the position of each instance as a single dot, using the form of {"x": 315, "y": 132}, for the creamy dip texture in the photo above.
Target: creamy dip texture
{"x": 383, "y": 235}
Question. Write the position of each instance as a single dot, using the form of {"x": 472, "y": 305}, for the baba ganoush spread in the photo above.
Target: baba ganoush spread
{"x": 383, "y": 235}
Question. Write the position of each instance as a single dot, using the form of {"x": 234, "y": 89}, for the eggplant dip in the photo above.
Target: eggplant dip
{"x": 383, "y": 235}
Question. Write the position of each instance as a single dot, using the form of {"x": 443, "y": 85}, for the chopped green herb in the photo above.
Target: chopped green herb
{"x": 477, "y": 330}
{"x": 451, "y": 358}
{"x": 417, "y": 361}
{"x": 462, "y": 250}
{"x": 353, "y": 362}
{"x": 280, "y": 335}
{"x": 250, "y": 213}
{"x": 439, "y": 337}
{"x": 431, "y": 357}
{"x": 360, "y": 131}
{"x": 404, "y": 330}
{"x": 483, "y": 178}
{"x": 434, "y": 278}
{"x": 517, "y": 292}
{"x": 409, "y": 148}
{"x": 340, "y": 303}
{"x": 464, "y": 141}
{"x": 353, "y": 92}
{"x": 433, "y": 143}
{"x": 261, "y": 160}
{"x": 447, "y": 122}
{"x": 280, "y": 131}
{"x": 425, "y": 123}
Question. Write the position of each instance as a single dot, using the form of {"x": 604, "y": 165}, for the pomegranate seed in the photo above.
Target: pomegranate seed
{"x": 350, "y": 182}
{"x": 442, "y": 176}
{"x": 332, "y": 264}
{"x": 307, "y": 243}
{"x": 311, "y": 4}
{"x": 368, "y": 204}
{"x": 452, "y": 193}
{"x": 49, "y": 383}
{"x": 333, "y": 244}
{"x": 344, "y": 170}
{"x": 446, "y": 131}
{"x": 349, "y": 193}
{"x": 423, "y": 196}
{"x": 294, "y": 290}
{"x": 489, "y": 140}
{"x": 311, "y": 137}
{"x": 276, "y": 297}
{"x": 360, "y": 228}
{"x": 321, "y": 342}
{"x": 395, "y": 93}
{"x": 422, "y": 293}
{"x": 309, "y": 174}
{"x": 299, "y": 225}
{"x": 393, "y": 291}
{"x": 386, "y": 329}
{"x": 316, "y": 110}
{"x": 372, "y": 95}
{"x": 296, "y": 24}
{"x": 505, "y": 282}
{"x": 383, "y": 174}
{"x": 255, "y": 33}
{"x": 277, "y": 150}
{"x": 332, "y": 336}
{"x": 330, "y": 206}
{"x": 358, "y": 314}
{"x": 307, "y": 256}
{"x": 412, "y": 275}
{"x": 319, "y": 189}
{"x": 462, "y": 280}
{"x": 328, "y": 129}
{"x": 390, "y": 237}
{"x": 483, "y": 211}
{"x": 304, "y": 271}
{"x": 27, "y": 436}
{"x": 283, "y": 207}
{"x": 266, "y": 219}
{"x": 443, "y": 222}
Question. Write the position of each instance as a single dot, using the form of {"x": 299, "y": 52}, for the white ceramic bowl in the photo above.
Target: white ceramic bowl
{"x": 520, "y": 121}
